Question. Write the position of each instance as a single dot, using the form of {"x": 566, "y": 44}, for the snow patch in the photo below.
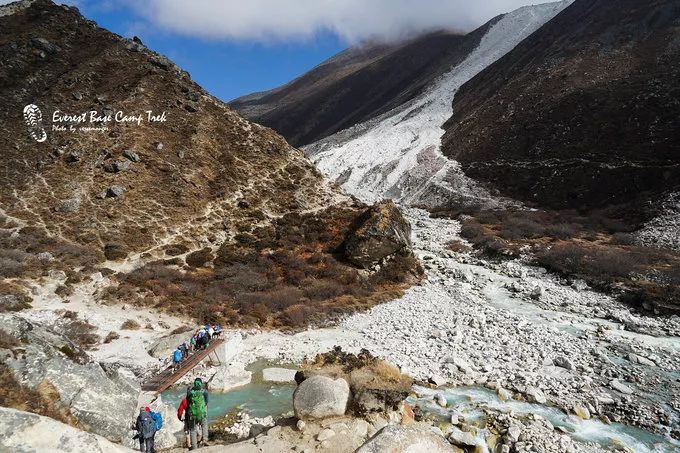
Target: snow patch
{"x": 397, "y": 155}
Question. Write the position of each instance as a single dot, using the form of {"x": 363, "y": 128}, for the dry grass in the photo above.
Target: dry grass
{"x": 44, "y": 400}
{"x": 130, "y": 324}
{"x": 286, "y": 275}
{"x": 111, "y": 336}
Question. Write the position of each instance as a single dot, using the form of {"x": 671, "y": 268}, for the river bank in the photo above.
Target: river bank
{"x": 513, "y": 328}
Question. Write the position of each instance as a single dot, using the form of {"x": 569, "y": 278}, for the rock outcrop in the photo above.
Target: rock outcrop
{"x": 378, "y": 234}
{"x": 401, "y": 439}
{"x": 24, "y": 431}
{"x": 103, "y": 401}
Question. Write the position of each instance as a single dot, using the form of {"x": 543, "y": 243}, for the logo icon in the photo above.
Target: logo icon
{"x": 33, "y": 118}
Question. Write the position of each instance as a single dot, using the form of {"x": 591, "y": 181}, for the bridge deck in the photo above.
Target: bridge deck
{"x": 170, "y": 375}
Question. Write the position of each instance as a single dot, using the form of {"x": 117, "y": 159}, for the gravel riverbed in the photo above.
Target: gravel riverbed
{"x": 514, "y": 328}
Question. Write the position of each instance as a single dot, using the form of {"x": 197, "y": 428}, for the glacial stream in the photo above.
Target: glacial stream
{"x": 261, "y": 399}
{"x": 468, "y": 402}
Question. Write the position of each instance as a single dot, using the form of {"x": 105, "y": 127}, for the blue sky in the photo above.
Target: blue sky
{"x": 226, "y": 68}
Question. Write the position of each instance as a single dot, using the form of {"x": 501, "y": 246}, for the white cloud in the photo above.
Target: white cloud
{"x": 352, "y": 20}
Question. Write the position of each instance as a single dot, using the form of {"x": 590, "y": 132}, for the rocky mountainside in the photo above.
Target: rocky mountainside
{"x": 126, "y": 188}
{"x": 583, "y": 113}
{"x": 397, "y": 154}
{"x": 357, "y": 85}
{"x": 96, "y": 181}
{"x": 124, "y": 181}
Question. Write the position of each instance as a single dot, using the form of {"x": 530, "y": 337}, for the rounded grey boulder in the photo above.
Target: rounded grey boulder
{"x": 320, "y": 397}
{"x": 401, "y": 439}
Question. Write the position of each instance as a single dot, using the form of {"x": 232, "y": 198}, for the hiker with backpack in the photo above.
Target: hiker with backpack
{"x": 176, "y": 358}
{"x": 146, "y": 430}
{"x": 183, "y": 416}
{"x": 197, "y": 404}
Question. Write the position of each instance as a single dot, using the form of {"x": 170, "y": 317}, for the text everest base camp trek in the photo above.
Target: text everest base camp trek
{"x": 507, "y": 357}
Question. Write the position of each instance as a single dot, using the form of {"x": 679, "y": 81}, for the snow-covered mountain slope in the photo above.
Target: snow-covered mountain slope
{"x": 397, "y": 154}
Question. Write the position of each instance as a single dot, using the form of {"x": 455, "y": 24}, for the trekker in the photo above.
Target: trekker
{"x": 183, "y": 416}
{"x": 158, "y": 424}
{"x": 146, "y": 430}
{"x": 218, "y": 331}
{"x": 197, "y": 403}
{"x": 176, "y": 358}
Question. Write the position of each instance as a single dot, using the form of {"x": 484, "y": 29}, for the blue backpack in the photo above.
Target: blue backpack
{"x": 158, "y": 418}
{"x": 177, "y": 355}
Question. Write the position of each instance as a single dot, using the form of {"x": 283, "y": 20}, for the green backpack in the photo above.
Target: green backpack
{"x": 197, "y": 407}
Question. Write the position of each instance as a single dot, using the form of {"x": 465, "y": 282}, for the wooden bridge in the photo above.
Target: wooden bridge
{"x": 163, "y": 380}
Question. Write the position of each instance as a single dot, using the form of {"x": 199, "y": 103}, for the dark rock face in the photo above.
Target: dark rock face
{"x": 583, "y": 113}
{"x": 379, "y": 233}
{"x": 356, "y": 85}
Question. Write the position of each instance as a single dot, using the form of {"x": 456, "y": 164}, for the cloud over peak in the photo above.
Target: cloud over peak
{"x": 293, "y": 20}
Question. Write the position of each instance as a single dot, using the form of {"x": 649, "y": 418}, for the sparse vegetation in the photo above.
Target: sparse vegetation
{"x": 130, "y": 324}
{"x": 597, "y": 248}
{"x": 111, "y": 336}
{"x": 8, "y": 341}
{"x": 44, "y": 400}
{"x": 289, "y": 274}
{"x": 80, "y": 332}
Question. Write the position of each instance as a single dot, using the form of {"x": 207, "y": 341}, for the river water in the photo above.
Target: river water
{"x": 260, "y": 399}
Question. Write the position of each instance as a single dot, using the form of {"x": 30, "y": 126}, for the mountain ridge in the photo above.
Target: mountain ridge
{"x": 356, "y": 85}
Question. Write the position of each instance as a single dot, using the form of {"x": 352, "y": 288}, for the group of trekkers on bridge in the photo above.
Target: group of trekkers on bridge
{"x": 199, "y": 340}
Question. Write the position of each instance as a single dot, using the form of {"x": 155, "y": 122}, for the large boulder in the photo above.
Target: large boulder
{"x": 24, "y": 431}
{"x": 401, "y": 439}
{"x": 320, "y": 397}
{"x": 104, "y": 401}
{"x": 228, "y": 377}
{"x": 377, "y": 234}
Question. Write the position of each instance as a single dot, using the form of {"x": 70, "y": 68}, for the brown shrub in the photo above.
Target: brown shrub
{"x": 607, "y": 265}
{"x": 260, "y": 312}
{"x": 473, "y": 231}
{"x": 8, "y": 341}
{"x": 459, "y": 247}
{"x": 521, "y": 228}
{"x": 317, "y": 290}
{"x": 200, "y": 257}
{"x": 296, "y": 316}
{"x": 130, "y": 324}
{"x": 111, "y": 336}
